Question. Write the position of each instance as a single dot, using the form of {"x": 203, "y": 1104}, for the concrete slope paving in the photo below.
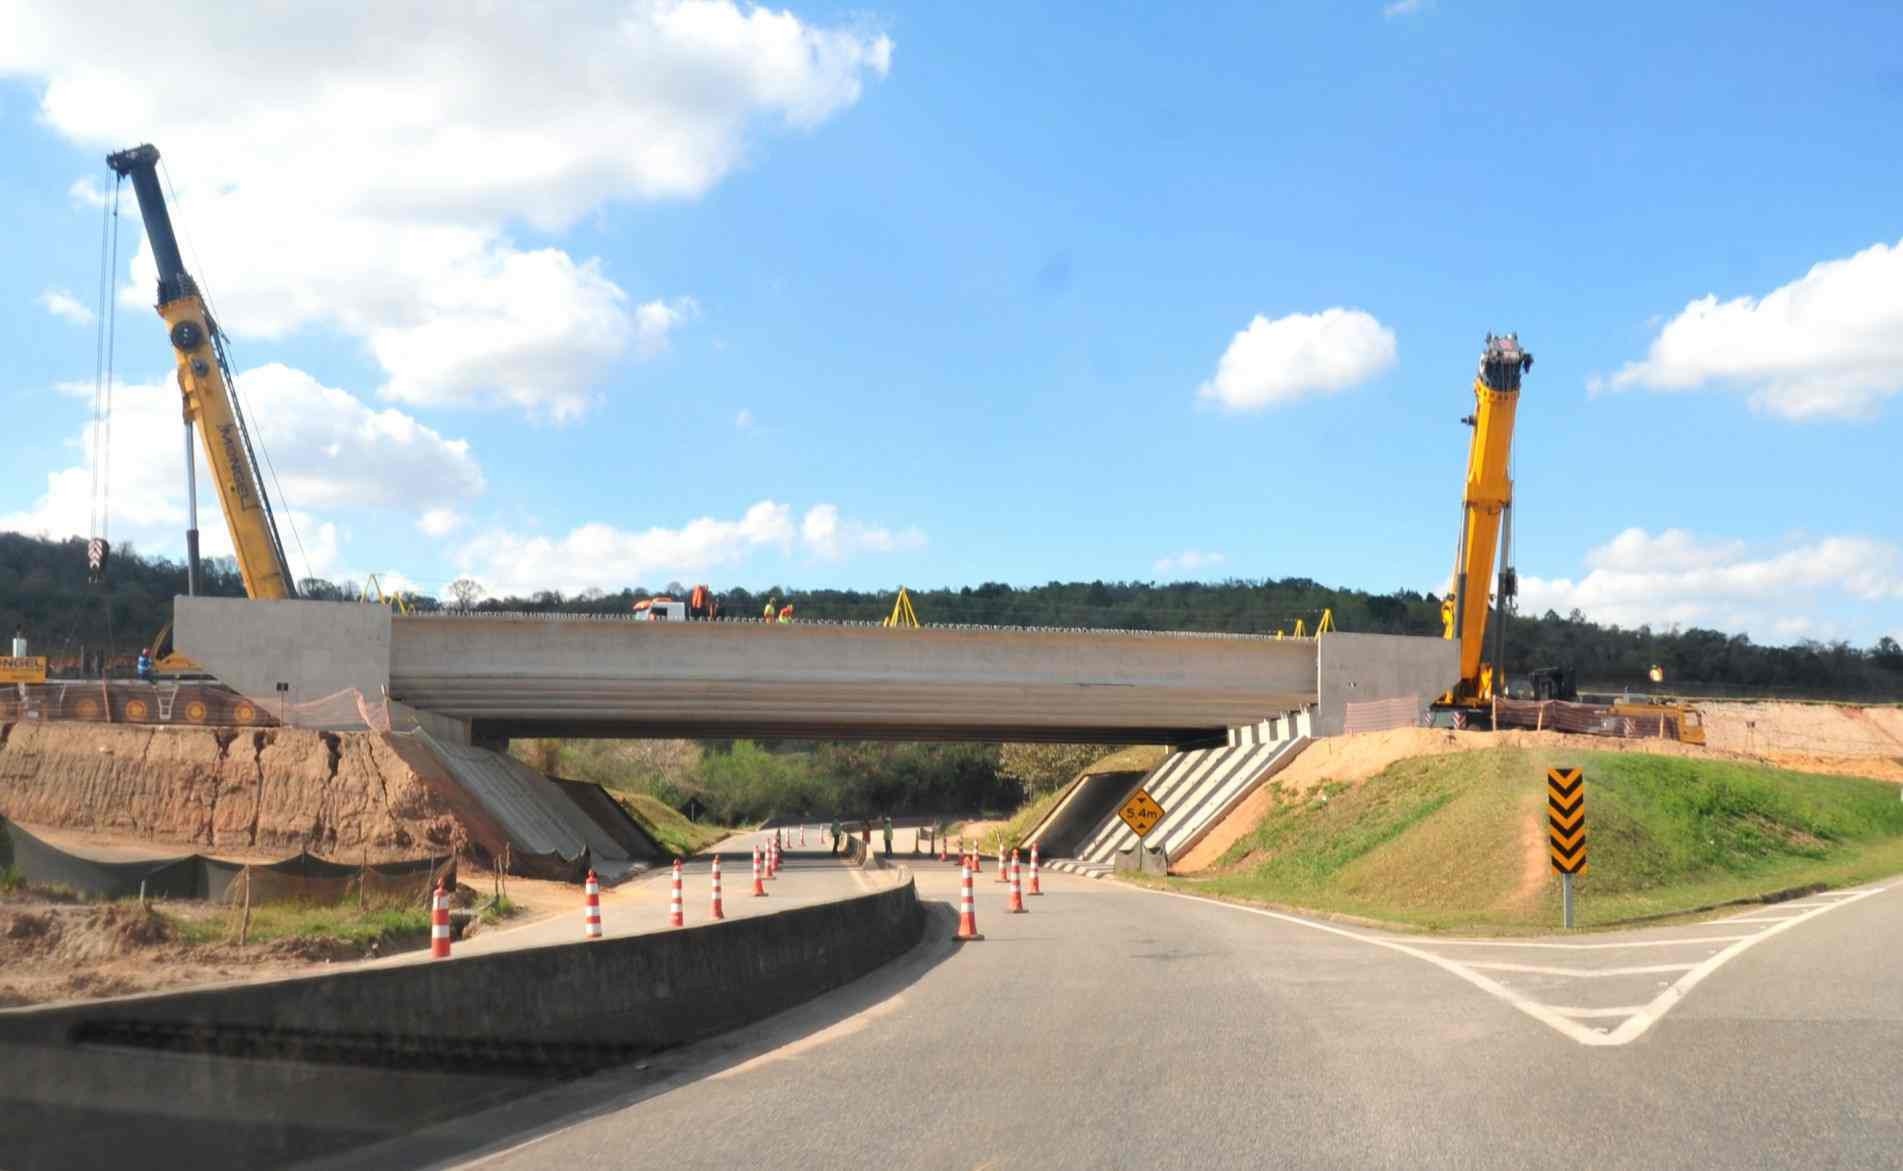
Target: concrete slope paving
{"x": 1114, "y": 1027}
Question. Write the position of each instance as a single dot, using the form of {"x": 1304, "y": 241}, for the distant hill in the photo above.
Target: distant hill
{"x": 43, "y": 587}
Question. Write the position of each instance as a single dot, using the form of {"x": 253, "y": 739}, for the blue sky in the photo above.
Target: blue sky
{"x": 858, "y": 296}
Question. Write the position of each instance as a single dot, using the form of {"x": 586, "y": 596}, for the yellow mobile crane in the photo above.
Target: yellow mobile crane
{"x": 1486, "y": 526}
{"x": 204, "y": 378}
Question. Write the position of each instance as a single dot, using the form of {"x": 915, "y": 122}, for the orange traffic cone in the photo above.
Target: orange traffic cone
{"x": 439, "y": 923}
{"x": 591, "y": 907}
{"x": 1015, "y": 905}
{"x": 759, "y": 890}
{"x": 1034, "y": 887}
{"x": 675, "y": 917}
{"x": 967, "y": 909}
{"x": 1002, "y": 876}
{"x": 718, "y": 913}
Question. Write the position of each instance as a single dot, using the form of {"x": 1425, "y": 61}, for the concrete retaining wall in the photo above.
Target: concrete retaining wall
{"x": 627, "y": 995}
{"x": 317, "y": 648}
{"x": 1357, "y": 668}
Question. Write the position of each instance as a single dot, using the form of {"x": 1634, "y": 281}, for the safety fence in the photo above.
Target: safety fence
{"x": 301, "y": 878}
{"x": 1591, "y": 719}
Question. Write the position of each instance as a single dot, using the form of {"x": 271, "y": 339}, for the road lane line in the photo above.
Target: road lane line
{"x": 1634, "y": 1027}
{"x": 1582, "y": 946}
{"x": 1582, "y": 973}
{"x": 1664, "y": 1001}
{"x": 1625, "y": 1010}
{"x": 1776, "y": 918}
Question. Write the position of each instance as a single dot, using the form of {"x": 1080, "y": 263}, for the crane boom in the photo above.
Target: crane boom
{"x": 204, "y": 378}
{"x": 1489, "y": 493}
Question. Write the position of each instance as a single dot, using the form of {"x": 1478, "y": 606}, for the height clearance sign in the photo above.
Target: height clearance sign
{"x": 1141, "y": 813}
{"x": 1566, "y": 819}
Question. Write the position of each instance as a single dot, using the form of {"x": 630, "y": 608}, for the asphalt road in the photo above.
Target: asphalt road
{"x": 1116, "y": 1027}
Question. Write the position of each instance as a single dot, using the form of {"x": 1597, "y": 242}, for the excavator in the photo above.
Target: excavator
{"x": 211, "y": 407}
{"x": 1487, "y": 526}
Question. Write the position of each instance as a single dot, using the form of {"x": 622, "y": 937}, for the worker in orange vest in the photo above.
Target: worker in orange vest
{"x": 786, "y": 613}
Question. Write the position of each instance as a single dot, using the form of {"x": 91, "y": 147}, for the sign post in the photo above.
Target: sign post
{"x": 1566, "y": 831}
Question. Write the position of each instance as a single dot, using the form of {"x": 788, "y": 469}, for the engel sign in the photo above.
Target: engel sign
{"x": 15, "y": 670}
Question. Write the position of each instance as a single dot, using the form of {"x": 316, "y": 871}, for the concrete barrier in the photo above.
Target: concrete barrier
{"x": 578, "y": 1005}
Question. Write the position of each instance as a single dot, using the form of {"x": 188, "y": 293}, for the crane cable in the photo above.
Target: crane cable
{"x": 219, "y": 344}
{"x": 100, "y": 521}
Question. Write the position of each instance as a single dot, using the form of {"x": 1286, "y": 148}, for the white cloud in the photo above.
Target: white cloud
{"x": 86, "y": 192}
{"x": 824, "y": 535}
{"x": 359, "y": 168}
{"x": 1189, "y": 561}
{"x": 1640, "y": 578}
{"x": 1275, "y": 362}
{"x": 329, "y": 449}
{"x": 655, "y": 321}
{"x": 1827, "y": 345}
{"x": 66, "y": 307}
{"x": 1401, "y": 8}
{"x": 744, "y": 419}
{"x": 439, "y": 522}
{"x": 605, "y": 557}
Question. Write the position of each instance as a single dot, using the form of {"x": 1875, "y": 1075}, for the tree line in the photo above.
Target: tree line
{"x": 44, "y": 588}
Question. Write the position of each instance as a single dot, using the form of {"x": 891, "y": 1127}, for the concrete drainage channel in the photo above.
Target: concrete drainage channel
{"x": 231, "y": 1075}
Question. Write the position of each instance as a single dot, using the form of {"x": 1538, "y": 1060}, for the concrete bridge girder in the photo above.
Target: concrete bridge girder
{"x": 524, "y": 675}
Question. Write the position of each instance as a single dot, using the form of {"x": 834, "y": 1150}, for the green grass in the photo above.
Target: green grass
{"x": 11, "y": 880}
{"x": 678, "y": 835}
{"x": 300, "y": 921}
{"x": 1458, "y": 842}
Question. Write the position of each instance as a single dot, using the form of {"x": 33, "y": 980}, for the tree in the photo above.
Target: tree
{"x": 466, "y": 591}
{"x": 1043, "y": 767}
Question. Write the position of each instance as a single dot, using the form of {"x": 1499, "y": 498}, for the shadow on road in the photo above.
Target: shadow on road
{"x": 509, "y": 1120}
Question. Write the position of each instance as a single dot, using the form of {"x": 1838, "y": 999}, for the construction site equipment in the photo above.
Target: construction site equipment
{"x": 204, "y": 378}
{"x": 1487, "y": 529}
{"x": 1322, "y": 626}
{"x": 967, "y": 906}
{"x": 676, "y": 913}
{"x": 1015, "y": 905}
{"x": 718, "y": 912}
{"x": 902, "y": 612}
{"x": 439, "y": 923}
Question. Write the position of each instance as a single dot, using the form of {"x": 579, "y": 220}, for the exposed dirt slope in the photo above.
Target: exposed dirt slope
{"x": 340, "y": 795}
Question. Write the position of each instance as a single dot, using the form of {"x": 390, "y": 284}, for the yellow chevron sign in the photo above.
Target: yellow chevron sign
{"x": 1566, "y": 819}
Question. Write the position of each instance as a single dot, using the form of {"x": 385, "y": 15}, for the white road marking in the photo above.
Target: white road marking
{"x": 1582, "y": 973}
{"x": 1773, "y": 918}
{"x": 1581, "y": 946}
{"x": 1635, "y": 1025}
{"x": 1625, "y": 1010}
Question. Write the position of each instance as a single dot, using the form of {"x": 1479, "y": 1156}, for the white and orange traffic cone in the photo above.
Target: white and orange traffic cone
{"x": 772, "y": 860}
{"x": 675, "y": 917}
{"x": 759, "y": 890}
{"x": 439, "y": 923}
{"x": 940, "y": 840}
{"x": 1015, "y": 905}
{"x": 718, "y": 913}
{"x": 591, "y": 907}
{"x": 977, "y": 860}
{"x": 967, "y": 908}
{"x": 1002, "y": 876}
{"x": 1035, "y": 890}
{"x": 802, "y": 833}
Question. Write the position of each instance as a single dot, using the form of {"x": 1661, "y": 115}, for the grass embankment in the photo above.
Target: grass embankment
{"x": 1458, "y": 842}
{"x": 678, "y": 835}
{"x": 389, "y": 926}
